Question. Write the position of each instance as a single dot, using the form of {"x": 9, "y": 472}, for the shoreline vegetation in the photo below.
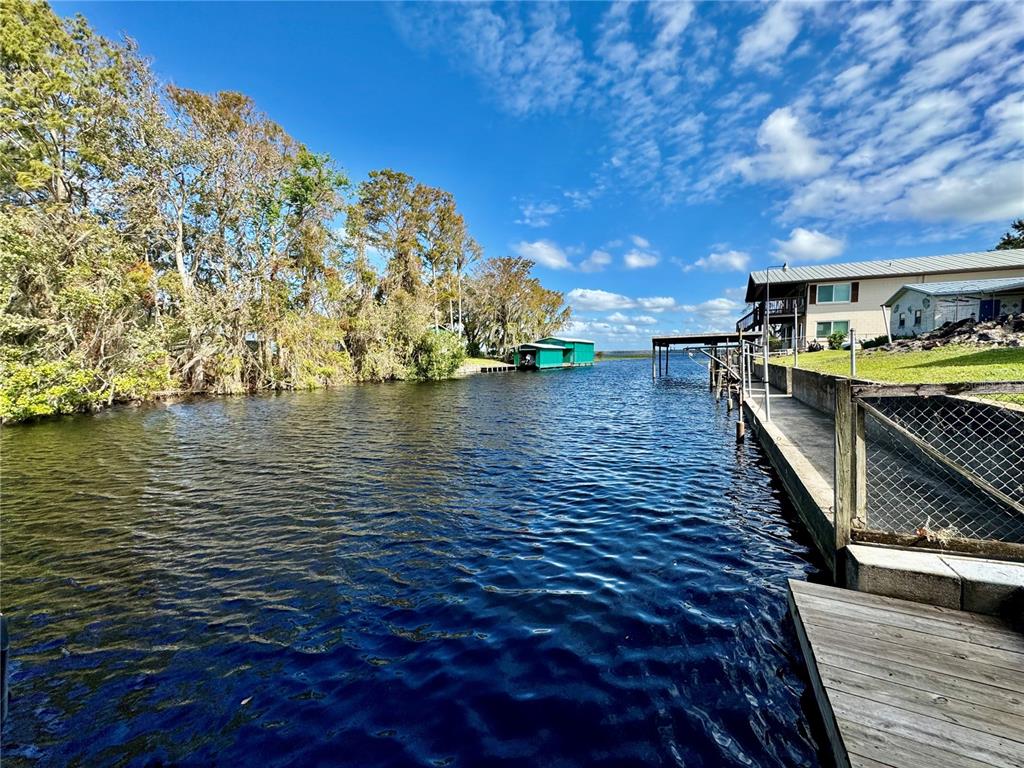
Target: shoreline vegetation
{"x": 158, "y": 240}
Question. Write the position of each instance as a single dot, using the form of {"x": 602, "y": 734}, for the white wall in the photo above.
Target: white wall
{"x": 867, "y": 317}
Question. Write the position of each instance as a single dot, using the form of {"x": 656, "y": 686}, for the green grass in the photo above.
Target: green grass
{"x": 934, "y": 366}
{"x": 482, "y": 361}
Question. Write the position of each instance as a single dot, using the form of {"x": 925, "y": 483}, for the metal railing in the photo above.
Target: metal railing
{"x": 932, "y": 465}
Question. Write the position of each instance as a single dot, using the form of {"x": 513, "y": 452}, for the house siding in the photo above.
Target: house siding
{"x": 866, "y": 316}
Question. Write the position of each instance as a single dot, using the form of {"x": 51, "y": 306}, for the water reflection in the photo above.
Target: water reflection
{"x": 575, "y": 567}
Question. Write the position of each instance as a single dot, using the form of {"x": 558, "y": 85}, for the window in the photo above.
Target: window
{"x": 828, "y": 327}
{"x": 903, "y": 319}
{"x": 833, "y": 293}
{"x": 917, "y": 317}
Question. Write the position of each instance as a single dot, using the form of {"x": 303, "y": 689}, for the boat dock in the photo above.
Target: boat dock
{"x": 906, "y": 685}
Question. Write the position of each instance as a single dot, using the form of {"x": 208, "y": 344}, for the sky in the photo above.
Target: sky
{"x": 645, "y": 156}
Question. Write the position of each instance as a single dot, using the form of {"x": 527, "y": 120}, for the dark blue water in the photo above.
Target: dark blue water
{"x": 570, "y": 568}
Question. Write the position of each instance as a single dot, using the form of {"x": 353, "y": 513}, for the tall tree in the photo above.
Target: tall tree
{"x": 508, "y": 307}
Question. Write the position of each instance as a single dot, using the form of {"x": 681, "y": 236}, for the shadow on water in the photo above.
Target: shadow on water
{"x": 571, "y": 568}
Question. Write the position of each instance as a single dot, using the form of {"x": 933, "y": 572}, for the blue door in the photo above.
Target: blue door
{"x": 989, "y": 309}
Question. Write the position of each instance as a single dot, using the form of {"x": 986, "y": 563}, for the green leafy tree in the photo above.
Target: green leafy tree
{"x": 509, "y": 307}
{"x": 1014, "y": 238}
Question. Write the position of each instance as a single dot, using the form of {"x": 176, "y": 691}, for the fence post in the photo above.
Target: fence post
{"x": 842, "y": 502}
{"x": 853, "y": 354}
{"x": 860, "y": 465}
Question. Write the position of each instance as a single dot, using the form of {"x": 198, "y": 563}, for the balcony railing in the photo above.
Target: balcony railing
{"x": 781, "y": 311}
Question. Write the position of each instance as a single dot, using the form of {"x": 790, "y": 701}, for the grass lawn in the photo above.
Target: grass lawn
{"x": 482, "y": 361}
{"x": 934, "y": 366}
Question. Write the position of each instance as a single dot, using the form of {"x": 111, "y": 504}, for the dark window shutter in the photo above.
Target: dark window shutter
{"x": 854, "y": 291}
{"x": 813, "y": 296}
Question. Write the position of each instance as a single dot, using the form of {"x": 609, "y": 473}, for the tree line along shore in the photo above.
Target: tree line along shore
{"x": 157, "y": 240}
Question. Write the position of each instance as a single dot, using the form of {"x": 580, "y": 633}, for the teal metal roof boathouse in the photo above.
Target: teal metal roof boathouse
{"x": 554, "y": 352}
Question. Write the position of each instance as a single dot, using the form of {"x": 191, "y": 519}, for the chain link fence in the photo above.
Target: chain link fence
{"x": 944, "y": 468}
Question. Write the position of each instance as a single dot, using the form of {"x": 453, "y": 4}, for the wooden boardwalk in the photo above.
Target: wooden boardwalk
{"x": 907, "y": 685}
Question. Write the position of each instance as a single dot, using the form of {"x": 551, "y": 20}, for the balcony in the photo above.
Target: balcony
{"x": 781, "y": 310}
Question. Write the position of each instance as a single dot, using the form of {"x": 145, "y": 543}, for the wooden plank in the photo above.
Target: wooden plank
{"x": 956, "y": 630}
{"x": 1011, "y": 661}
{"x": 955, "y": 740}
{"x": 960, "y": 618}
{"x": 943, "y": 664}
{"x": 835, "y": 738}
{"x": 980, "y": 694}
{"x": 869, "y": 744}
{"x": 1006, "y": 725}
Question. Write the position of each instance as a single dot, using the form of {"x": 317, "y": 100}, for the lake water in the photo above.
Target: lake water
{"x": 570, "y": 568}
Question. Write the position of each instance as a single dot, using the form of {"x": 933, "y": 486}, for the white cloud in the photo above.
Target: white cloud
{"x": 656, "y": 303}
{"x": 617, "y": 317}
{"x": 543, "y": 252}
{"x": 645, "y": 319}
{"x": 809, "y": 245}
{"x": 724, "y": 261}
{"x": 637, "y": 259}
{"x": 999, "y": 196}
{"x": 910, "y": 112}
{"x": 640, "y": 242}
{"x": 529, "y": 56}
{"x": 596, "y": 300}
{"x": 787, "y": 151}
{"x": 770, "y": 37}
{"x": 715, "y": 310}
{"x": 537, "y": 214}
{"x": 596, "y": 261}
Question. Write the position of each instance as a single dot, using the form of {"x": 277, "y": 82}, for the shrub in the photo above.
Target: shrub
{"x": 814, "y": 347}
{"x": 44, "y": 388}
{"x": 438, "y": 355}
{"x": 835, "y": 341}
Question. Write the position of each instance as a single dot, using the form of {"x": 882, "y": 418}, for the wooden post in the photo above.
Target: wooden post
{"x": 668, "y": 348}
{"x": 860, "y": 466}
{"x": 842, "y": 500}
{"x": 654, "y": 372}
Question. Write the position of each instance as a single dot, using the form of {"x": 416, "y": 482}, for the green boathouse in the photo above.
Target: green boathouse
{"x": 554, "y": 352}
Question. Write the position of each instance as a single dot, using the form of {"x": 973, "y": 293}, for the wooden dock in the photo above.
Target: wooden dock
{"x": 907, "y": 685}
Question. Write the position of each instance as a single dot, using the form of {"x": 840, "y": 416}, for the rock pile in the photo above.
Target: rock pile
{"x": 1006, "y": 331}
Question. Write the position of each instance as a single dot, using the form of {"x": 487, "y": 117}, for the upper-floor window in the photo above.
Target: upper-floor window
{"x": 833, "y": 293}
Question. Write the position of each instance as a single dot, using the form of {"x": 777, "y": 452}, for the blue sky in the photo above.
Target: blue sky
{"x": 646, "y": 156}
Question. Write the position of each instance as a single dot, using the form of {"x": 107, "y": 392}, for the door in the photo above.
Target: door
{"x": 989, "y": 309}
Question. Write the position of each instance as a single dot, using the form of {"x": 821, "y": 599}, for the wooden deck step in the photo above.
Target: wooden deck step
{"x": 906, "y": 685}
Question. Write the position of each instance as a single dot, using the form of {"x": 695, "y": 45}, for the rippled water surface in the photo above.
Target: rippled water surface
{"x": 570, "y": 568}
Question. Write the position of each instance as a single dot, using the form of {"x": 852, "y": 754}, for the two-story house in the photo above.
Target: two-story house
{"x": 821, "y": 299}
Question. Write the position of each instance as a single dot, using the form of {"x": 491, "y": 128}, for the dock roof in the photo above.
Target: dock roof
{"x": 700, "y": 339}
{"x": 538, "y": 345}
{"x": 570, "y": 340}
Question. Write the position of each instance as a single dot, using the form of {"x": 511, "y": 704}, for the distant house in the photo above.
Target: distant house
{"x": 554, "y": 352}
{"x": 919, "y": 307}
{"x": 818, "y": 300}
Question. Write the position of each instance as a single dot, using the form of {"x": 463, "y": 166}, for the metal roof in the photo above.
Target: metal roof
{"x": 724, "y": 337}
{"x": 537, "y": 345}
{"x": 954, "y": 262}
{"x": 961, "y": 287}
{"x": 571, "y": 341}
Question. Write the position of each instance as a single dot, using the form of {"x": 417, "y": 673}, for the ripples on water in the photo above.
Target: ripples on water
{"x": 568, "y": 568}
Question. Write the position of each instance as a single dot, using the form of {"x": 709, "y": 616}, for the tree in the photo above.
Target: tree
{"x": 1014, "y": 238}
{"x": 509, "y": 307}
